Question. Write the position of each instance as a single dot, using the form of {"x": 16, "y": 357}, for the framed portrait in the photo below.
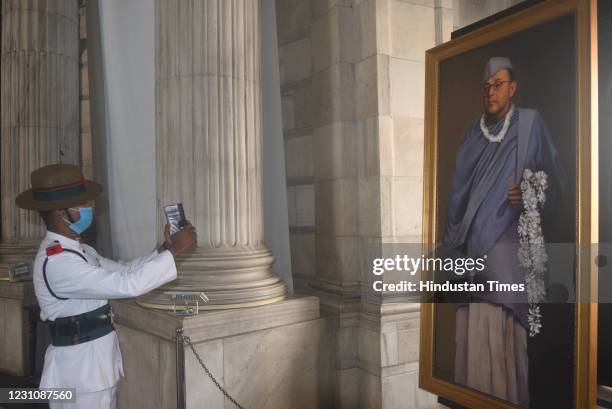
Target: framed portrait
{"x": 511, "y": 172}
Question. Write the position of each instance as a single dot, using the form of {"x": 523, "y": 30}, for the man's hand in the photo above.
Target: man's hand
{"x": 184, "y": 240}
{"x": 515, "y": 196}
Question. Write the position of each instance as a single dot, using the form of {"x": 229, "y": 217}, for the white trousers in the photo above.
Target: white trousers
{"x": 106, "y": 399}
{"x": 491, "y": 352}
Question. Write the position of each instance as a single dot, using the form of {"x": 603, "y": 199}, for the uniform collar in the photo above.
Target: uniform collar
{"x": 63, "y": 240}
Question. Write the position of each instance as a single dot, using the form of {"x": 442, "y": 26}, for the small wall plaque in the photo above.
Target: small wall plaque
{"x": 186, "y": 302}
{"x": 20, "y": 272}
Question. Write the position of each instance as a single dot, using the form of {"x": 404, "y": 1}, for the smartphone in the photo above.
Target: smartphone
{"x": 175, "y": 216}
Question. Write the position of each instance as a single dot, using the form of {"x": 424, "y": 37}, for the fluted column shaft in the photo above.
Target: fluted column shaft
{"x": 39, "y": 107}
{"x": 209, "y": 143}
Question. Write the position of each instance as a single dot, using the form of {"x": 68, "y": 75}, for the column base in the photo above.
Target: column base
{"x": 230, "y": 278}
{"x": 275, "y": 355}
{"x": 209, "y": 307}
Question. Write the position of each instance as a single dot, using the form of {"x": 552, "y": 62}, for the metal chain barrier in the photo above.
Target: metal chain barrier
{"x": 210, "y": 375}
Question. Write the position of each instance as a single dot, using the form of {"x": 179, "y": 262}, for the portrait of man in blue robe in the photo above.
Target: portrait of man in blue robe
{"x": 484, "y": 206}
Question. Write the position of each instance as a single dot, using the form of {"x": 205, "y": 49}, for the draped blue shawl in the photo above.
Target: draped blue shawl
{"x": 479, "y": 211}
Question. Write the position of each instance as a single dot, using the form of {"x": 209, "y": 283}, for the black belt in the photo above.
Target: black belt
{"x": 83, "y": 327}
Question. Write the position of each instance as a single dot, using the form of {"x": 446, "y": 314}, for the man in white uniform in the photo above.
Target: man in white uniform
{"x": 73, "y": 284}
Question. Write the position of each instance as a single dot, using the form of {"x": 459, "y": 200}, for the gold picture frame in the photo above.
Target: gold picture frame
{"x": 586, "y": 188}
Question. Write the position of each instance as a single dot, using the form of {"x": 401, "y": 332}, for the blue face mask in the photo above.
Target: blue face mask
{"x": 85, "y": 219}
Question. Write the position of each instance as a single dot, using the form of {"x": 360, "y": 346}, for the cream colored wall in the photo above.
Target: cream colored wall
{"x": 469, "y": 11}
{"x": 389, "y": 329}
{"x": 293, "y": 30}
{"x": 352, "y": 84}
{"x": 353, "y": 88}
{"x": 84, "y": 100}
{"x": 276, "y": 219}
{"x": 317, "y": 52}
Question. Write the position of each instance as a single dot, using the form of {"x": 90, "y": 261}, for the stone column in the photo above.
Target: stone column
{"x": 40, "y": 109}
{"x": 209, "y": 158}
{"x": 209, "y": 147}
{"x": 39, "y": 103}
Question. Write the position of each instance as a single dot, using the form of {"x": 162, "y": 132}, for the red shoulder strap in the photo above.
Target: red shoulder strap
{"x": 54, "y": 249}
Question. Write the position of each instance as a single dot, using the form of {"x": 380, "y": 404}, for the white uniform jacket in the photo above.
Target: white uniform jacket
{"x": 94, "y": 365}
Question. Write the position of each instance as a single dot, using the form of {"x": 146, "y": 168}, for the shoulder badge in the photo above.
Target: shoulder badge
{"x": 54, "y": 249}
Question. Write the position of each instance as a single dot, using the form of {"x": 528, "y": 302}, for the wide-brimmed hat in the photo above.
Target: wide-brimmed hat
{"x": 58, "y": 187}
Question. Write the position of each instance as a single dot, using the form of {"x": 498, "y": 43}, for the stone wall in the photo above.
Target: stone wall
{"x": 317, "y": 74}
{"x": 293, "y": 19}
{"x": 352, "y": 85}
{"x": 39, "y": 121}
{"x": 273, "y": 356}
{"x": 84, "y": 100}
{"x": 395, "y": 35}
{"x": 469, "y": 11}
{"x": 353, "y": 88}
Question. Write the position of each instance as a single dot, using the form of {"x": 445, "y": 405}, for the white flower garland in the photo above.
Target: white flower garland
{"x": 500, "y": 136}
{"x": 532, "y": 251}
